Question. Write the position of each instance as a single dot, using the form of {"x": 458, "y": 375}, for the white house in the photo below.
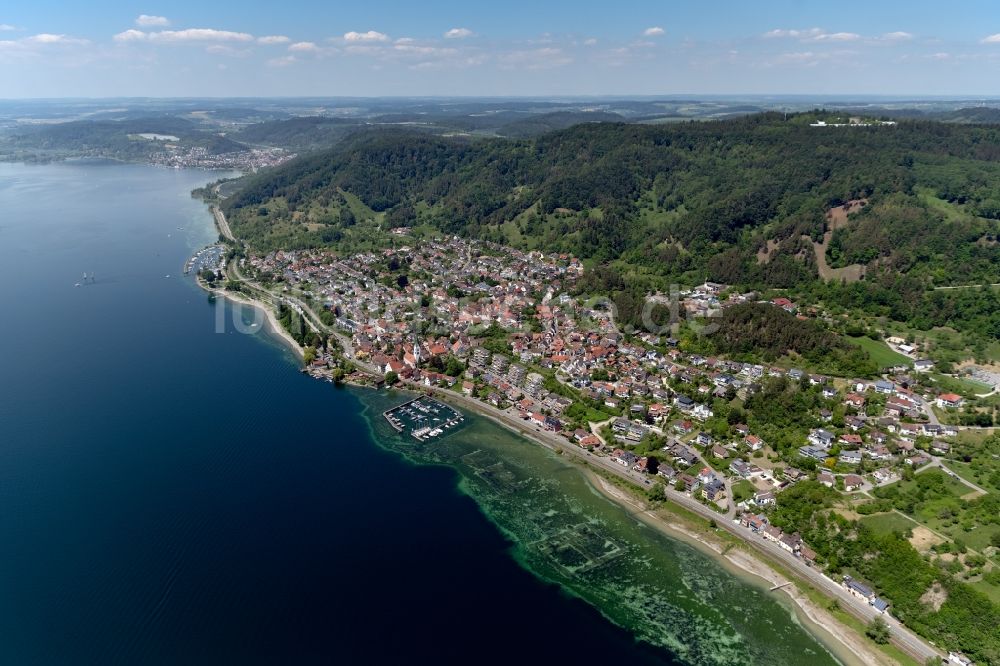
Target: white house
{"x": 946, "y": 400}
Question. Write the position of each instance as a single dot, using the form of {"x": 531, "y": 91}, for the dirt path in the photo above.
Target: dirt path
{"x": 835, "y": 219}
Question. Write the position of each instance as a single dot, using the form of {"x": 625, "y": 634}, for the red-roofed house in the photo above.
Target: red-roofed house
{"x": 946, "y": 400}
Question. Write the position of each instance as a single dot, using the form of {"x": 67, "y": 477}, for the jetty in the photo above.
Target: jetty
{"x": 423, "y": 418}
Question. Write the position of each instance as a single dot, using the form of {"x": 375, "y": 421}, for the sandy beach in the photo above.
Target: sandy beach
{"x": 222, "y": 226}
{"x": 273, "y": 325}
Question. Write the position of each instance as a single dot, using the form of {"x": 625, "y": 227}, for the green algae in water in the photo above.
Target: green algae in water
{"x": 662, "y": 590}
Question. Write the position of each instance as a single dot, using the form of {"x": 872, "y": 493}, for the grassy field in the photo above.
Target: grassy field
{"x": 889, "y": 522}
{"x": 966, "y": 387}
{"x": 880, "y": 352}
{"x": 951, "y": 212}
{"x": 991, "y": 591}
{"x": 979, "y": 475}
{"x": 742, "y": 490}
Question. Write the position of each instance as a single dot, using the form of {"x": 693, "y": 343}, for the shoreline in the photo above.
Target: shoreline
{"x": 840, "y": 640}
{"x": 831, "y": 633}
{"x": 272, "y": 324}
{"x": 222, "y": 228}
{"x": 844, "y": 643}
{"x": 827, "y": 630}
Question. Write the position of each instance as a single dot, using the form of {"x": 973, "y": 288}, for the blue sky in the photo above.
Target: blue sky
{"x": 543, "y": 47}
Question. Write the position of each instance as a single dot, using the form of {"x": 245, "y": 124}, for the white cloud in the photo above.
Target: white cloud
{"x": 898, "y": 36}
{"x": 590, "y": 42}
{"x": 47, "y": 38}
{"x": 423, "y": 51}
{"x": 147, "y": 21}
{"x": 130, "y": 35}
{"x": 813, "y": 35}
{"x": 458, "y": 33}
{"x": 33, "y": 45}
{"x": 370, "y": 36}
{"x": 273, "y": 39}
{"x": 941, "y": 56}
{"x": 838, "y": 37}
{"x": 189, "y": 35}
{"x": 6, "y": 27}
{"x": 992, "y": 39}
{"x": 655, "y": 31}
{"x": 304, "y": 47}
{"x": 202, "y": 35}
{"x": 798, "y": 34}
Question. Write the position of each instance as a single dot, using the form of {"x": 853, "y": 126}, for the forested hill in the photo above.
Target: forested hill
{"x": 116, "y": 138}
{"x": 537, "y": 124}
{"x": 299, "y": 133}
{"x": 691, "y": 200}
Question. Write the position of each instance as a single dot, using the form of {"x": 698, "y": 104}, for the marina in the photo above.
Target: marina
{"x": 211, "y": 258}
{"x": 423, "y": 418}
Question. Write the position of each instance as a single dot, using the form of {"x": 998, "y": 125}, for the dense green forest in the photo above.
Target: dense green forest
{"x": 310, "y": 133}
{"x": 760, "y": 332}
{"x": 738, "y": 201}
{"x": 301, "y": 133}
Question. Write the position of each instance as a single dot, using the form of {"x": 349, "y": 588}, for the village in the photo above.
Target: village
{"x": 505, "y": 328}
{"x": 196, "y": 157}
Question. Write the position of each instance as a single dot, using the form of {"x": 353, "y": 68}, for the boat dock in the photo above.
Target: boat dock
{"x": 423, "y": 418}
{"x": 211, "y": 258}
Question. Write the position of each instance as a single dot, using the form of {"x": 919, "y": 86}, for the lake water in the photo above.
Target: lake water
{"x": 169, "y": 494}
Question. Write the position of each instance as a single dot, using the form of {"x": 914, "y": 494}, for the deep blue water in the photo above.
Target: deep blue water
{"x": 172, "y": 495}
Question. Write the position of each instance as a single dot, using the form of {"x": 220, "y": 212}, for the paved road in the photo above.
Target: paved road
{"x": 929, "y": 411}
{"x": 938, "y": 462}
{"x": 220, "y": 221}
